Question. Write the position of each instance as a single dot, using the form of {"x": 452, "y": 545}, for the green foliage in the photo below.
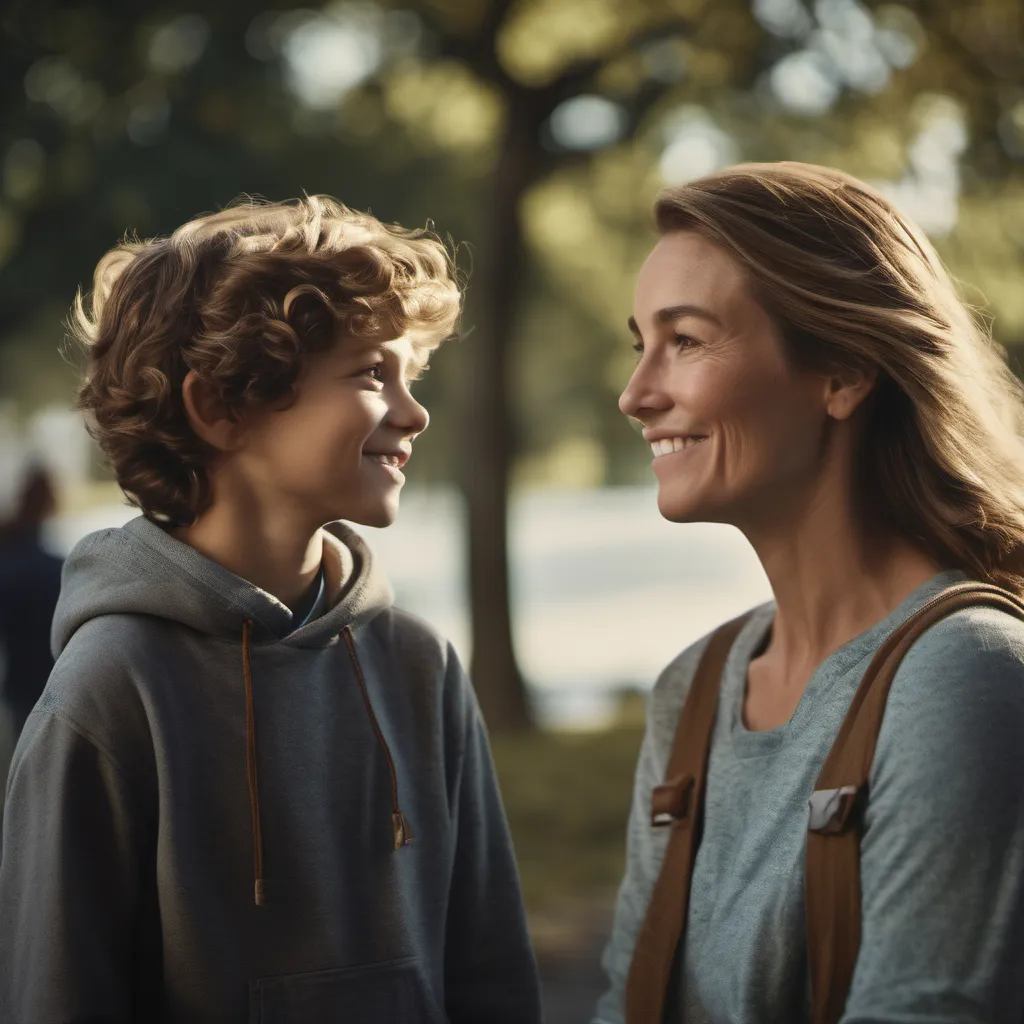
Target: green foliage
{"x": 567, "y": 796}
{"x": 120, "y": 117}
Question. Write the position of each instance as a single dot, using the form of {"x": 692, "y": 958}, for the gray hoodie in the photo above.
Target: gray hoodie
{"x": 212, "y": 817}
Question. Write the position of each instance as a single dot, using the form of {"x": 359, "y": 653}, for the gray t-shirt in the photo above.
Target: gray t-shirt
{"x": 942, "y": 855}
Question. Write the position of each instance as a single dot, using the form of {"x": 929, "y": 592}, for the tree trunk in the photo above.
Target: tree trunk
{"x": 490, "y": 433}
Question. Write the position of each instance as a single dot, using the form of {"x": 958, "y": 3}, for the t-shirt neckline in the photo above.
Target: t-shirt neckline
{"x": 754, "y": 743}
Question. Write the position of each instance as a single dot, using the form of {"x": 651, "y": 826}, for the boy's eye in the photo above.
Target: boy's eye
{"x": 375, "y": 372}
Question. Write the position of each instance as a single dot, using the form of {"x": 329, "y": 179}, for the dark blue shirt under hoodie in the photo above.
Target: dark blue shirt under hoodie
{"x": 212, "y": 816}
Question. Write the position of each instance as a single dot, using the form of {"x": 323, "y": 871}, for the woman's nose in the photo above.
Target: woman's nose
{"x": 628, "y": 400}
{"x": 641, "y": 393}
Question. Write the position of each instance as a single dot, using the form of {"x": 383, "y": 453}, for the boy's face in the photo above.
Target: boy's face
{"x": 337, "y": 452}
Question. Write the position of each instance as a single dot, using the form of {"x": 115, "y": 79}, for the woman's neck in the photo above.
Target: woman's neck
{"x": 832, "y": 578}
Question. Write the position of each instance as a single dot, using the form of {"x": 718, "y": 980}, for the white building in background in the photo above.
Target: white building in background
{"x": 605, "y": 591}
{"x": 54, "y": 436}
{"x": 12, "y": 455}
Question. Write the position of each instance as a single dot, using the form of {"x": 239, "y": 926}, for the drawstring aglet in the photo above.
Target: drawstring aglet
{"x": 403, "y": 834}
{"x": 258, "y": 892}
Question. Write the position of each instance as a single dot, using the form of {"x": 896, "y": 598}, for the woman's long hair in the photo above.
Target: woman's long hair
{"x": 851, "y": 282}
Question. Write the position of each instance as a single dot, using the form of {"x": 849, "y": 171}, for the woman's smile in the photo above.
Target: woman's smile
{"x": 671, "y": 445}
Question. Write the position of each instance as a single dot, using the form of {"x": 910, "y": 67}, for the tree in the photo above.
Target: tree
{"x": 524, "y": 156}
{"x": 635, "y": 59}
{"x": 836, "y": 82}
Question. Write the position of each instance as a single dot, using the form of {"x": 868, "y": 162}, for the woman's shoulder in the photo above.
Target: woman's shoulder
{"x": 959, "y": 690}
{"x": 673, "y": 683}
{"x": 979, "y": 642}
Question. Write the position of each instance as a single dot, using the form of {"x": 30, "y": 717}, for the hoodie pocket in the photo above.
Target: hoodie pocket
{"x": 370, "y": 994}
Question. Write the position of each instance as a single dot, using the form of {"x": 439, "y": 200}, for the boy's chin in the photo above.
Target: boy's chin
{"x": 378, "y": 518}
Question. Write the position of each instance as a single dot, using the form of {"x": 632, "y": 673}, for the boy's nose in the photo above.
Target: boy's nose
{"x": 409, "y": 415}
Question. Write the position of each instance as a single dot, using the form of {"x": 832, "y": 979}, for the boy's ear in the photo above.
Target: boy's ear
{"x": 207, "y": 414}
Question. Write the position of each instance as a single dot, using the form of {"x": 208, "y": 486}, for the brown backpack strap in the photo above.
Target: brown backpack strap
{"x": 833, "y": 837}
{"x": 678, "y": 804}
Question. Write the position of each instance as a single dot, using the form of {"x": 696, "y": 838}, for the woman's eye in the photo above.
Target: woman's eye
{"x": 638, "y": 348}
{"x": 375, "y": 372}
{"x": 684, "y": 340}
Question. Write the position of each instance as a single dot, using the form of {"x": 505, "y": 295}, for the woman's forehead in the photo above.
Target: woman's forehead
{"x": 684, "y": 268}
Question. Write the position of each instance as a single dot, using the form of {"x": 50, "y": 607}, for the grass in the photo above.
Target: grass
{"x": 567, "y": 796}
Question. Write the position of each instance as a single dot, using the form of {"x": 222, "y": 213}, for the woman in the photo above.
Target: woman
{"x": 808, "y": 374}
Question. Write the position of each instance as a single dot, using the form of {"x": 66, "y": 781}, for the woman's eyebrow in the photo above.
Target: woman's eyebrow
{"x": 670, "y": 313}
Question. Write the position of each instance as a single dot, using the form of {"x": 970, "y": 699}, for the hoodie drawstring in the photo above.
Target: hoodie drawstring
{"x": 399, "y": 826}
{"x": 250, "y": 765}
{"x": 401, "y": 832}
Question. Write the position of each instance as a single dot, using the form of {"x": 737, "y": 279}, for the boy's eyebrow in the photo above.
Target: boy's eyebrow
{"x": 414, "y": 368}
{"x": 363, "y": 349}
{"x": 417, "y": 366}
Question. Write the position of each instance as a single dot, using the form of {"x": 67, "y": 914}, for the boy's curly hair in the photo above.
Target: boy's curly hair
{"x": 240, "y": 297}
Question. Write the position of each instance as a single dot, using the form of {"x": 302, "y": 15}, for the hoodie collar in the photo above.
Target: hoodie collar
{"x": 140, "y": 568}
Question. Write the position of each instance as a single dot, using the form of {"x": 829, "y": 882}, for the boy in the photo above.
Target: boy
{"x": 253, "y": 790}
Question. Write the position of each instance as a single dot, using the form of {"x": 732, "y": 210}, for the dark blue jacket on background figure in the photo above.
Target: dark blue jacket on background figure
{"x": 29, "y": 587}
{"x": 206, "y": 811}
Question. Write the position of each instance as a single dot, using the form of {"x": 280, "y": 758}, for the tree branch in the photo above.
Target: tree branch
{"x": 479, "y": 52}
{"x": 637, "y": 108}
{"x": 999, "y": 65}
{"x": 579, "y": 74}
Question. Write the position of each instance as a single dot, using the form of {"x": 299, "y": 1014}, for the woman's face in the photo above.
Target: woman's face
{"x": 736, "y": 432}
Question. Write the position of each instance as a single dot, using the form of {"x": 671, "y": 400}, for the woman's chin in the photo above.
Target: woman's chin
{"x": 679, "y": 507}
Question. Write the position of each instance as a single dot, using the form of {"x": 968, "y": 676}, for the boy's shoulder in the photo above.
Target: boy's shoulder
{"x": 413, "y": 640}
{"x": 93, "y": 685}
{"x": 427, "y": 664}
{"x": 106, "y": 650}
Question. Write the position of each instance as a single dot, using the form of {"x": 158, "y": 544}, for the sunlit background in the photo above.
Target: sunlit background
{"x": 534, "y": 135}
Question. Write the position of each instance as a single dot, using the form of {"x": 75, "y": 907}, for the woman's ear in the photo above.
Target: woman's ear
{"x": 207, "y": 414}
{"x": 847, "y": 389}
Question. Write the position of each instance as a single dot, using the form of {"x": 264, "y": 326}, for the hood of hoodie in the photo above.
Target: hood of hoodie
{"x": 141, "y": 569}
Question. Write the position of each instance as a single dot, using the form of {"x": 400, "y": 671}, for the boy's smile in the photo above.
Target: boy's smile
{"x": 391, "y": 460}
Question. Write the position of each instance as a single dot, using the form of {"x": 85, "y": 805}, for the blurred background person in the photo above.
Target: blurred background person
{"x": 29, "y": 588}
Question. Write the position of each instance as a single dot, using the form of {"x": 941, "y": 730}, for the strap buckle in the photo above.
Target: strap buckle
{"x": 832, "y": 810}
{"x": 670, "y": 802}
